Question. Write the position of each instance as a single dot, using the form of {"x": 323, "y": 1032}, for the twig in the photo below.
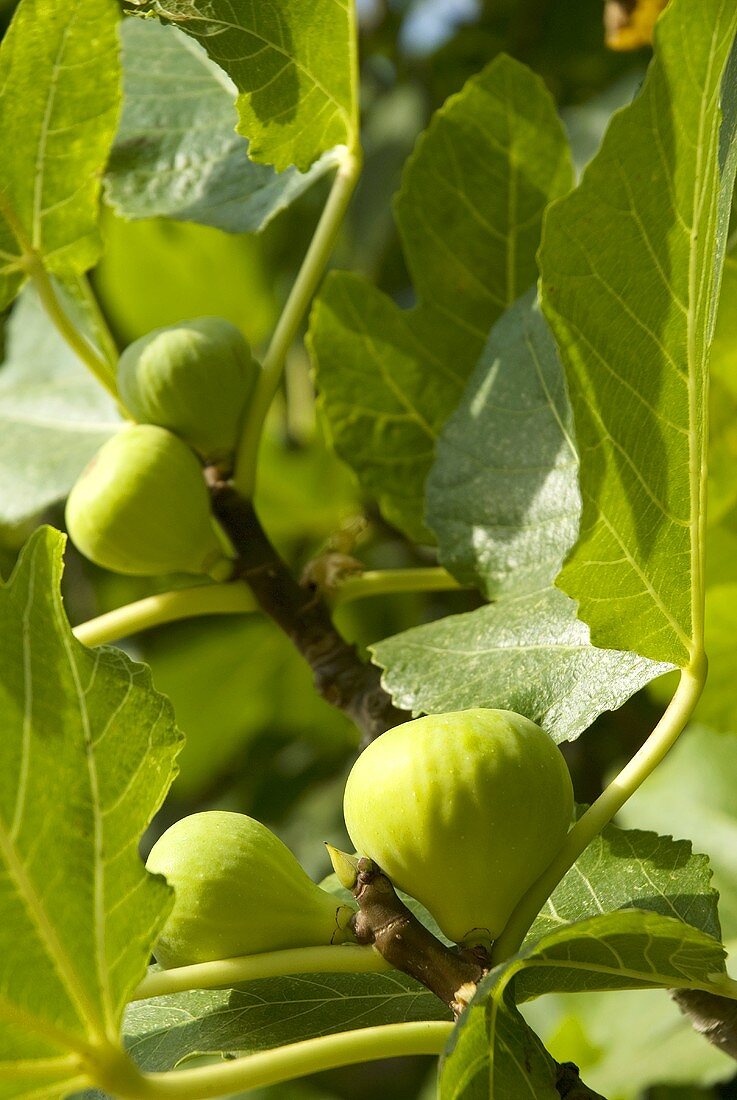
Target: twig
{"x": 340, "y": 676}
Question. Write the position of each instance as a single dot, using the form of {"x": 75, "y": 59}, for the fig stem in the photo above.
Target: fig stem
{"x": 340, "y": 676}
{"x": 166, "y": 607}
{"x": 285, "y": 333}
{"x": 601, "y": 812}
{"x": 385, "y": 921}
{"x": 283, "y": 1063}
{"x": 345, "y": 959}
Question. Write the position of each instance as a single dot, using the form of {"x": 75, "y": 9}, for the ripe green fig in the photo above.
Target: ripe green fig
{"x": 238, "y": 891}
{"x": 194, "y": 378}
{"x": 463, "y": 811}
{"x": 142, "y": 507}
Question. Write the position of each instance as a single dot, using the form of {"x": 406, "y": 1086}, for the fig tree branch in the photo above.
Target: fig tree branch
{"x": 340, "y": 676}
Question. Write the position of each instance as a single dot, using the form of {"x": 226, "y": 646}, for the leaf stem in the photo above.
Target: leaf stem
{"x": 295, "y": 1060}
{"x": 645, "y": 760}
{"x": 183, "y": 603}
{"x": 285, "y": 333}
{"x": 101, "y": 369}
{"x": 381, "y": 582}
{"x": 346, "y": 959}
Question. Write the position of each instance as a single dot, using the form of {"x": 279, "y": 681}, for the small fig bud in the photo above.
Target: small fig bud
{"x": 463, "y": 811}
{"x": 238, "y": 891}
{"x": 194, "y": 378}
{"x": 142, "y": 507}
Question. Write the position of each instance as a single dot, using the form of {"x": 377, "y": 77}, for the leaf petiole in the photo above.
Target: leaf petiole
{"x": 166, "y": 607}
{"x": 292, "y": 315}
{"x": 346, "y": 959}
{"x": 288, "y": 1062}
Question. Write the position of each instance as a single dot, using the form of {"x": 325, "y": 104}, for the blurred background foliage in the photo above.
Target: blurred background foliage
{"x": 259, "y": 740}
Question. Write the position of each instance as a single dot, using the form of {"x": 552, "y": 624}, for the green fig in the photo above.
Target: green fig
{"x": 463, "y": 811}
{"x": 142, "y": 507}
{"x": 194, "y": 378}
{"x": 238, "y": 891}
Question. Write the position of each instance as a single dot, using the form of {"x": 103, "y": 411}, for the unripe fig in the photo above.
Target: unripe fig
{"x": 194, "y": 378}
{"x": 238, "y": 891}
{"x": 142, "y": 507}
{"x": 463, "y": 811}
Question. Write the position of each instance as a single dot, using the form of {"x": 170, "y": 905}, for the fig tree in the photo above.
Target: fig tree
{"x": 463, "y": 811}
{"x": 238, "y": 891}
{"x": 142, "y": 507}
{"x": 194, "y": 378}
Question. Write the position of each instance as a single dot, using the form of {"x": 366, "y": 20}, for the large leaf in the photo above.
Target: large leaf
{"x": 87, "y": 752}
{"x": 629, "y": 949}
{"x": 630, "y": 266}
{"x": 159, "y": 1033}
{"x": 53, "y": 415}
{"x": 625, "y": 869}
{"x": 469, "y": 215}
{"x": 503, "y": 494}
{"x": 293, "y": 63}
{"x": 176, "y": 154}
{"x": 528, "y": 654}
{"x": 59, "y": 97}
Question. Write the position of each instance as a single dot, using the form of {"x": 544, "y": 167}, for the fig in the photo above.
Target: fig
{"x": 463, "y": 811}
{"x": 194, "y": 378}
{"x": 238, "y": 891}
{"x": 142, "y": 507}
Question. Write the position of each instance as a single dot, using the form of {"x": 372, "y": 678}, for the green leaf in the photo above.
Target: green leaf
{"x": 630, "y": 266}
{"x": 469, "y": 214}
{"x": 293, "y": 64}
{"x": 161, "y": 1032}
{"x": 628, "y": 949}
{"x": 59, "y": 98}
{"x": 54, "y": 416}
{"x": 503, "y": 494}
{"x": 494, "y": 1055}
{"x": 528, "y": 654}
{"x": 88, "y": 753}
{"x": 702, "y": 769}
{"x": 626, "y": 869}
{"x": 176, "y": 154}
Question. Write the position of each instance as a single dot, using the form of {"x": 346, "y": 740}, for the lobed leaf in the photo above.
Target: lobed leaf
{"x": 469, "y": 213}
{"x": 628, "y": 949}
{"x": 293, "y": 63}
{"x": 176, "y": 153}
{"x": 630, "y": 268}
{"x": 87, "y": 753}
{"x": 59, "y": 99}
{"x": 502, "y": 496}
{"x": 529, "y": 654}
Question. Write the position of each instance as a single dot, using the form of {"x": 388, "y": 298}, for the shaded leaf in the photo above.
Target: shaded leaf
{"x": 176, "y": 154}
{"x": 54, "y": 416}
{"x": 293, "y": 64}
{"x": 469, "y": 213}
{"x": 502, "y": 496}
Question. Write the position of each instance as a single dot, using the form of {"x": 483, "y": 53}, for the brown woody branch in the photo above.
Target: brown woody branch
{"x": 340, "y": 676}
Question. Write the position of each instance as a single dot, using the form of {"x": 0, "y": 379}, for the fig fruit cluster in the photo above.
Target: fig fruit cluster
{"x": 463, "y": 811}
{"x": 238, "y": 890}
{"x": 142, "y": 506}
